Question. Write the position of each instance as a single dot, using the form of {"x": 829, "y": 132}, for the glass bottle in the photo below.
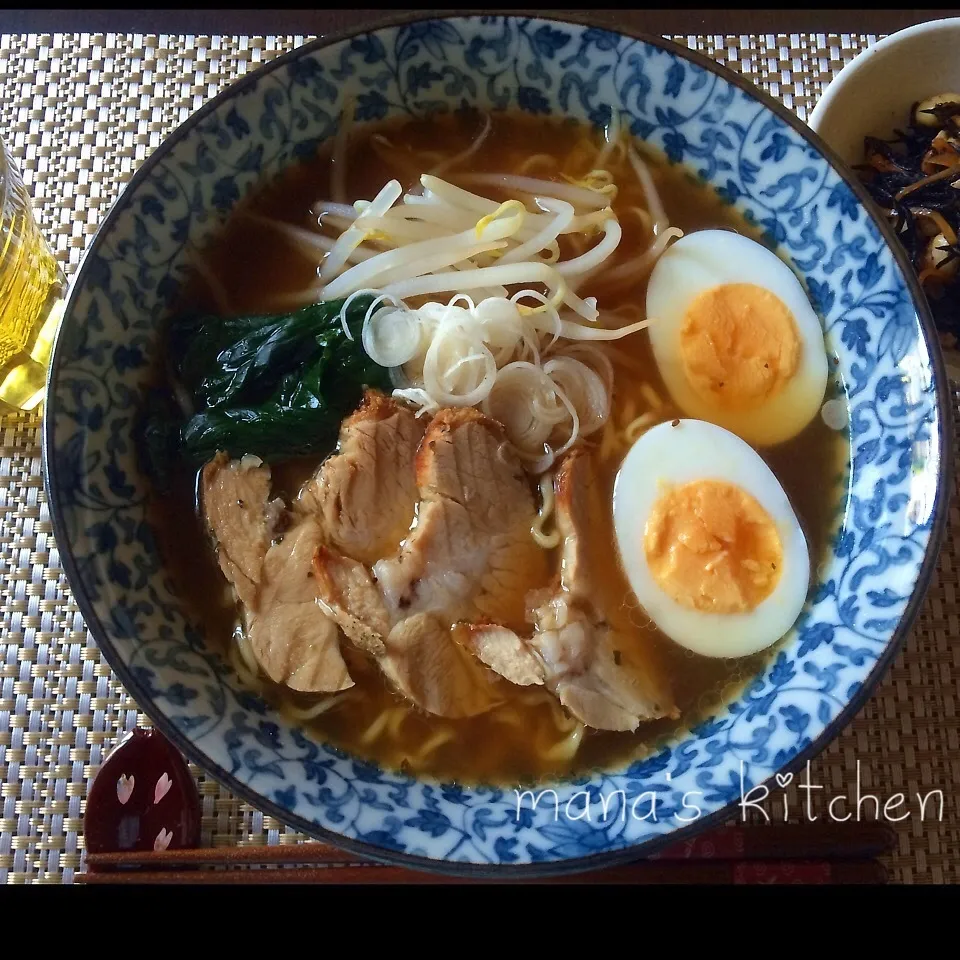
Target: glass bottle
{"x": 32, "y": 288}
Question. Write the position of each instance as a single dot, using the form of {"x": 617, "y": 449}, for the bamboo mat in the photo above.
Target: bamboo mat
{"x": 80, "y": 113}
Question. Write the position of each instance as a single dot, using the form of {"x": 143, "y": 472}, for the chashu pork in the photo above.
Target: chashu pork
{"x": 235, "y": 498}
{"x": 293, "y": 640}
{"x": 595, "y": 672}
{"x": 362, "y": 500}
{"x": 365, "y": 495}
{"x": 469, "y": 555}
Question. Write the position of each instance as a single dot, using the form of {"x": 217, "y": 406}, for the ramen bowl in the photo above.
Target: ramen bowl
{"x": 757, "y": 157}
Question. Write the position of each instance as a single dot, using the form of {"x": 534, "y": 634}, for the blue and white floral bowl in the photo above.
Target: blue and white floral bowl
{"x": 759, "y": 158}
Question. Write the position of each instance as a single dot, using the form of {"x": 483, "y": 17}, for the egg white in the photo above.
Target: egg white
{"x": 706, "y": 259}
{"x": 694, "y": 450}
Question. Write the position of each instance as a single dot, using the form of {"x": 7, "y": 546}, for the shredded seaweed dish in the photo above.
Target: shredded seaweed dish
{"x": 915, "y": 179}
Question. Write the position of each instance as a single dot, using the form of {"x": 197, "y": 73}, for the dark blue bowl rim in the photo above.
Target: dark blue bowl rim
{"x": 598, "y": 860}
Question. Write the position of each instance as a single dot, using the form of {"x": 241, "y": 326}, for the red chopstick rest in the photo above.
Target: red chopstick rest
{"x": 143, "y": 798}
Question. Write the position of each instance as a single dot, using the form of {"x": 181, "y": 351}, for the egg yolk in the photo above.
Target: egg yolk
{"x": 739, "y": 345}
{"x": 711, "y": 547}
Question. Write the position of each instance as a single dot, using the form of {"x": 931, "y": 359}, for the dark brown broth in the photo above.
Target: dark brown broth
{"x": 256, "y": 266}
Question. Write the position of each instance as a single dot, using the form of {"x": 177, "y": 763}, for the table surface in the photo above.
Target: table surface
{"x": 317, "y": 22}
{"x": 60, "y": 708}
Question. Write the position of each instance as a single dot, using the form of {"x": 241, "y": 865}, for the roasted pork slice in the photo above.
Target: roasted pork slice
{"x": 430, "y": 668}
{"x": 362, "y": 501}
{"x": 348, "y": 592}
{"x": 416, "y": 653}
{"x": 469, "y": 555}
{"x": 366, "y": 494}
{"x": 293, "y": 640}
{"x": 595, "y": 671}
{"x": 587, "y": 665}
{"x": 502, "y": 651}
{"x": 235, "y": 497}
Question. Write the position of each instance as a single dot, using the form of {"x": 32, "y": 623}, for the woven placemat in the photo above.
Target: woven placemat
{"x": 81, "y": 112}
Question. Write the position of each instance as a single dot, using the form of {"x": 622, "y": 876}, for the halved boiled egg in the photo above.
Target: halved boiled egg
{"x": 735, "y": 337}
{"x": 708, "y": 540}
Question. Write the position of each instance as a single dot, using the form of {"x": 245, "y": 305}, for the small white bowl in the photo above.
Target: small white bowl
{"x": 873, "y": 94}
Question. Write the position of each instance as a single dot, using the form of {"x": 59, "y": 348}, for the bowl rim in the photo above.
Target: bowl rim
{"x": 865, "y": 58}
{"x": 577, "y": 864}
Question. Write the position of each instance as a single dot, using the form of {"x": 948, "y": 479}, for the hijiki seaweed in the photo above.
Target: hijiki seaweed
{"x": 915, "y": 179}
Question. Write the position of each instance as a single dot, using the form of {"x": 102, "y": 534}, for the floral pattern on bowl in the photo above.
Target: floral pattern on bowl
{"x": 698, "y": 115}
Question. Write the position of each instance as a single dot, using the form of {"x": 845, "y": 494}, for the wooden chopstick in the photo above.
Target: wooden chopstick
{"x": 291, "y": 853}
{"x": 804, "y": 841}
{"x": 646, "y": 872}
{"x": 827, "y": 841}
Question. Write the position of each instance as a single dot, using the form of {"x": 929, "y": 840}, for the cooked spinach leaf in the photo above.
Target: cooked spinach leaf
{"x": 270, "y": 431}
{"x": 274, "y": 386}
{"x": 222, "y": 362}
